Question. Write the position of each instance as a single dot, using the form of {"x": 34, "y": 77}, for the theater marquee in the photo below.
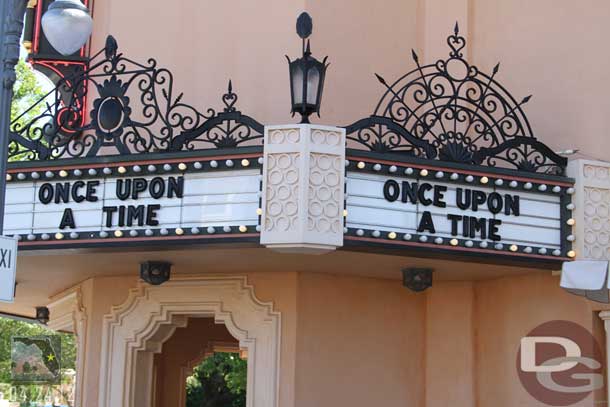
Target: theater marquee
{"x": 398, "y": 204}
{"x": 202, "y": 199}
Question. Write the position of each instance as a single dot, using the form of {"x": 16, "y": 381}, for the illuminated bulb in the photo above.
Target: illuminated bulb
{"x": 182, "y": 167}
{"x": 392, "y": 235}
{"x": 59, "y": 236}
{"x": 259, "y": 211}
{"x": 361, "y": 165}
{"x": 63, "y": 173}
{"x": 245, "y": 163}
{"x": 571, "y": 221}
{"x": 118, "y": 233}
{"x": 122, "y": 170}
{"x": 243, "y": 229}
{"x": 571, "y": 254}
{"x": 513, "y": 247}
{"x": 344, "y": 213}
{"x": 484, "y": 180}
{"x": 424, "y": 173}
{"x": 9, "y": 177}
{"x": 453, "y": 242}
{"x": 179, "y": 231}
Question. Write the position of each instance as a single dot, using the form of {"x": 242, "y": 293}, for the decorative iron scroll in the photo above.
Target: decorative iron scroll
{"x": 158, "y": 122}
{"x": 452, "y": 112}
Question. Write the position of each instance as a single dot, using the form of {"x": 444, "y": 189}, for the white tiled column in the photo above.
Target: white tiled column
{"x": 303, "y": 188}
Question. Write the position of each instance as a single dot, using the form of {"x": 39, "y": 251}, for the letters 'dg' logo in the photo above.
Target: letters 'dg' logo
{"x": 559, "y": 363}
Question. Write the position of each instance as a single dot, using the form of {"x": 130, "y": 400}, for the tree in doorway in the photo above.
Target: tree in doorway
{"x": 219, "y": 381}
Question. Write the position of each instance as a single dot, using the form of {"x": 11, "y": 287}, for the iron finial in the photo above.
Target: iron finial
{"x": 304, "y": 25}
{"x": 496, "y": 68}
{"x": 456, "y": 29}
{"x": 414, "y": 55}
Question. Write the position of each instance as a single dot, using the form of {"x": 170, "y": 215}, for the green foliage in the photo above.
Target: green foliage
{"x": 26, "y": 92}
{"x": 219, "y": 381}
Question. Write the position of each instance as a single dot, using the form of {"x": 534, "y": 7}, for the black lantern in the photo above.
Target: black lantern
{"x": 306, "y": 75}
{"x": 417, "y": 279}
{"x": 42, "y": 315}
{"x": 155, "y": 272}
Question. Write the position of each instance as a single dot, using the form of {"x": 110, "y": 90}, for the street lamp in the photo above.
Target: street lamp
{"x": 67, "y": 25}
{"x": 306, "y": 75}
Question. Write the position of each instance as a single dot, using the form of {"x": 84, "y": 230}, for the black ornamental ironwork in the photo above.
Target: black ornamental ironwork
{"x": 450, "y": 111}
{"x": 135, "y": 110}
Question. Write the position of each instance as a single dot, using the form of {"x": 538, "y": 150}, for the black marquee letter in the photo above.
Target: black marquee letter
{"x": 45, "y": 193}
{"x": 67, "y": 219}
{"x": 391, "y": 190}
{"x": 426, "y": 223}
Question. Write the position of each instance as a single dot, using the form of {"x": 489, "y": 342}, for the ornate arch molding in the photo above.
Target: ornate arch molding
{"x": 135, "y": 330}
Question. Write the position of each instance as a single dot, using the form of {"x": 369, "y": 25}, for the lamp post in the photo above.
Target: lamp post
{"x": 306, "y": 75}
{"x": 67, "y": 25}
{"x": 11, "y": 26}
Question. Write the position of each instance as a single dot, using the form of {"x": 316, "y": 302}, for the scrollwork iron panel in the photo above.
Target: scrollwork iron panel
{"x": 450, "y": 111}
{"x": 135, "y": 110}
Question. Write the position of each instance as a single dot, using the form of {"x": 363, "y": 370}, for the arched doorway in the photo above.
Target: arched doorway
{"x": 136, "y": 330}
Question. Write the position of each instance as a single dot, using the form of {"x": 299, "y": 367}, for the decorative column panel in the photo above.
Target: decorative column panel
{"x": 591, "y": 208}
{"x": 303, "y": 188}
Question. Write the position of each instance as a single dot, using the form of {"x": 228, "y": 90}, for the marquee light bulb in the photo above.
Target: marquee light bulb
{"x": 361, "y": 165}
{"x": 571, "y": 254}
{"x": 424, "y": 173}
{"x": 571, "y": 221}
{"x": 392, "y": 235}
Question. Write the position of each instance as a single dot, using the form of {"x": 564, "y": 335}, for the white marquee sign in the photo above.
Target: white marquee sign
{"x": 513, "y": 217}
{"x": 93, "y": 207}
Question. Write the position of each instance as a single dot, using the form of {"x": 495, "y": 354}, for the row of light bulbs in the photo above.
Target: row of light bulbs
{"x": 454, "y": 176}
{"x": 151, "y": 168}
